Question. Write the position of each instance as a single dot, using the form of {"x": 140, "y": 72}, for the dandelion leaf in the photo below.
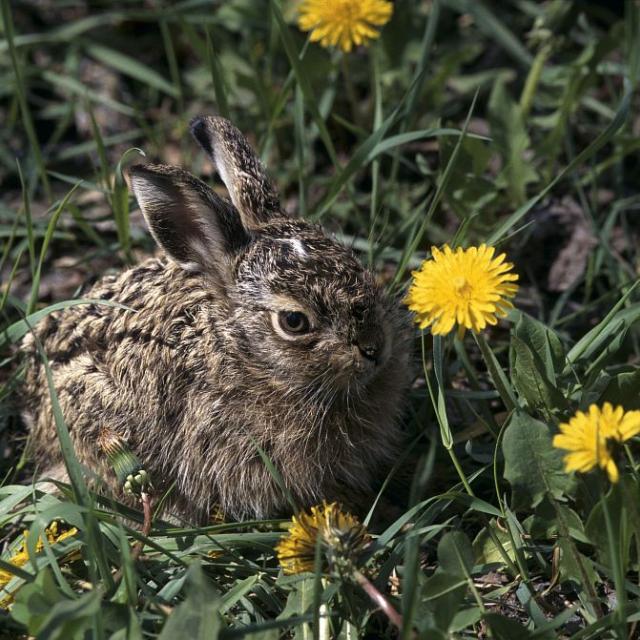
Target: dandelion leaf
{"x": 504, "y": 628}
{"x": 198, "y": 615}
{"x": 544, "y": 342}
{"x": 531, "y": 380}
{"x": 624, "y": 389}
{"x": 47, "y": 613}
{"x": 455, "y": 554}
{"x": 532, "y": 466}
{"x": 442, "y": 595}
{"x": 487, "y": 551}
{"x": 569, "y": 568}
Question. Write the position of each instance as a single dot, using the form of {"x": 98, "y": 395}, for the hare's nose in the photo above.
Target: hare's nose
{"x": 369, "y": 351}
{"x": 370, "y": 345}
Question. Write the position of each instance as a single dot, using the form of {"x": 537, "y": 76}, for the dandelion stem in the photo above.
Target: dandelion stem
{"x": 146, "y": 524}
{"x": 440, "y": 409}
{"x": 458, "y": 466}
{"x": 533, "y": 79}
{"x": 386, "y": 607}
{"x": 632, "y": 460}
{"x": 496, "y": 372}
{"x": 350, "y": 89}
{"x": 618, "y": 578}
{"x": 146, "y": 507}
{"x": 488, "y": 417}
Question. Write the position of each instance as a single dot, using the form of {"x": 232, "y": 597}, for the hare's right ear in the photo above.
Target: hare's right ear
{"x": 250, "y": 189}
{"x": 196, "y": 227}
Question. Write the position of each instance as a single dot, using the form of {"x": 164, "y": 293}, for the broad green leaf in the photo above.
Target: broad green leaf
{"x": 544, "y": 342}
{"x": 298, "y": 601}
{"x": 11, "y": 496}
{"x": 34, "y": 601}
{"x": 487, "y": 552}
{"x": 623, "y": 389}
{"x": 464, "y": 619}
{"x": 505, "y": 628}
{"x": 605, "y": 356}
{"x": 546, "y": 523}
{"x": 71, "y": 619}
{"x": 265, "y": 634}
{"x": 197, "y": 617}
{"x": 47, "y": 613}
{"x": 569, "y": 568}
{"x": 455, "y": 554}
{"x": 532, "y": 466}
{"x": 306, "y": 590}
{"x": 530, "y": 379}
{"x": 442, "y": 595}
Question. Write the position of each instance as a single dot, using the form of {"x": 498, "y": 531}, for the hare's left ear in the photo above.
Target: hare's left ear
{"x": 196, "y": 227}
{"x": 251, "y": 191}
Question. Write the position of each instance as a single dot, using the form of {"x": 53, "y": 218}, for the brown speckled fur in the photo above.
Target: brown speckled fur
{"x": 195, "y": 374}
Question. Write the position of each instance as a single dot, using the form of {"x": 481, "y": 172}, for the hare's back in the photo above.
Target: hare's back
{"x": 152, "y": 306}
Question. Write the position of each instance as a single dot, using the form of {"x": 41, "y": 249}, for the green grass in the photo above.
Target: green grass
{"x": 511, "y": 123}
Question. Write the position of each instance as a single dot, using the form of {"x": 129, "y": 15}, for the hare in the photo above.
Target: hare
{"x": 256, "y": 331}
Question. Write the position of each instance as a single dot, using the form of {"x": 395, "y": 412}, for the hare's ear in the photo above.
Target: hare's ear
{"x": 197, "y": 228}
{"x": 252, "y": 192}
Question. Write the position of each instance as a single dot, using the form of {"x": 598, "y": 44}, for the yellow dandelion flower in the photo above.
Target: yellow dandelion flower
{"x": 467, "y": 287}
{"x": 588, "y": 437}
{"x": 336, "y": 530}
{"x": 344, "y": 23}
{"x": 21, "y": 556}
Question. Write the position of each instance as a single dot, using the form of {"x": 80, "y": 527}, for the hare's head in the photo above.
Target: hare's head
{"x": 300, "y": 308}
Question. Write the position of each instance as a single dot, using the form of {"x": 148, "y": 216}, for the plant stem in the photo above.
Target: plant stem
{"x": 618, "y": 578}
{"x": 351, "y": 92}
{"x": 533, "y": 78}
{"x": 475, "y": 384}
{"x": 385, "y": 606}
{"x": 146, "y": 525}
{"x": 496, "y": 372}
{"x": 440, "y": 411}
{"x": 458, "y": 466}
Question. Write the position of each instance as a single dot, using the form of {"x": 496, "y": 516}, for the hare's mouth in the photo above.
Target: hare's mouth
{"x": 352, "y": 367}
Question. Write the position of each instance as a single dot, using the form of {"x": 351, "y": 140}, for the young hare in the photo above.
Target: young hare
{"x": 255, "y": 329}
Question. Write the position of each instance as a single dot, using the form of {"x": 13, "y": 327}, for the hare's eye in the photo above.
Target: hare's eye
{"x": 293, "y": 322}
